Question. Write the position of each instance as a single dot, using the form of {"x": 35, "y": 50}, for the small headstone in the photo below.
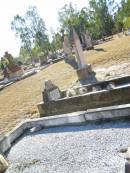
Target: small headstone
{"x": 51, "y": 92}
{"x": 3, "y": 164}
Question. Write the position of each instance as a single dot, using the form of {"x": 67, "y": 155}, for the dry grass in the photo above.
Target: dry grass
{"x": 19, "y": 101}
{"x": 113, "y": 52}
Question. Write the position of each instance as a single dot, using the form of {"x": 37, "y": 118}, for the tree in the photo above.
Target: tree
{"x": 31, "y": 30}
{"x": 70, "y": 18}
{"x": 22, "y": 31}
{"x": 122, "y": 15}
{"x": 57, "y": 41}
{"x": 24, "y": 54}
{"x": 126, "y": 23}
{"x": 101, "y": 16}
{"x": 98, "y": 18}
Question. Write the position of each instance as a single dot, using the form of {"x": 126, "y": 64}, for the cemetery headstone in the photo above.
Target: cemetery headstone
{"x": 69, "y": 56}
{"x": 66, "y": 46}
{"x": 88, "y": 40}
{"x": 51, "y": 92}
{"x": 78, "y": 51}
{"x": 84, "y": 70}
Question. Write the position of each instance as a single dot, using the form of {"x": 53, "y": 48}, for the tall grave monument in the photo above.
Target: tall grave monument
{"x": 86, "y": 40}
{"x": 69, "y": 57}
{"x": 84, "y": 70}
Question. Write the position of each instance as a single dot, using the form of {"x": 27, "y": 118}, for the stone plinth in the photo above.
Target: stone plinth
{"x": 85, "y": 72}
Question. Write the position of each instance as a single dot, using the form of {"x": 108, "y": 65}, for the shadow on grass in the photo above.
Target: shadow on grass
{"x": 100, "y": 50}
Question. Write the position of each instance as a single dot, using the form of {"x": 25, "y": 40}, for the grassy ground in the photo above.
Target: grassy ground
{"x": 19, "y": 101}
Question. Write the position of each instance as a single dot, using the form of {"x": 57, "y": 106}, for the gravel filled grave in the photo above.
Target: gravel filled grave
{"x": 92, "y": 148}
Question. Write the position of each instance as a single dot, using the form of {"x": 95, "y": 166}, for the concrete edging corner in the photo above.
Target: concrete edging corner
{"x": 92, "y": 115}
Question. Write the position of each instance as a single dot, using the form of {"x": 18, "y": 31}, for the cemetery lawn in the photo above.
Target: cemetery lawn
{"x": 19, "y": 101}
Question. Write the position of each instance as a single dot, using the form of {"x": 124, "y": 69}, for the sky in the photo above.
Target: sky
{"x": 48, "y": 10}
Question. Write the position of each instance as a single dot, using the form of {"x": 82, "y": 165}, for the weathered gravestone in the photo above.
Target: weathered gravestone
{"x": 84, "y": 70}
{"x": 86, "y": 40}
{"x": 69, "y": 56}
{"x": 66, "y": 46}
{"x": 51, "y": 92}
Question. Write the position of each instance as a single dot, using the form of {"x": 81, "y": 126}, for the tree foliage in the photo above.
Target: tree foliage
{"x": 57, "y": 41}
{"x": 122, "y": 15}
{"x": 31, "y": 30}
{"x": 98, "y": 18}
{"x": 101, "y": 18}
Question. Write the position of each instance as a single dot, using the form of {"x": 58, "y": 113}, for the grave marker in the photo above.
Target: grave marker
{"x": 51, "y": 92}
{"x": 84, "y": 70}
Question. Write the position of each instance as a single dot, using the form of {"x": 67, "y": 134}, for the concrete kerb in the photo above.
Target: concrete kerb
{"x": 62, "y": 120}
{"x": 111, "y": 112}
{"x": 9, "y": 138}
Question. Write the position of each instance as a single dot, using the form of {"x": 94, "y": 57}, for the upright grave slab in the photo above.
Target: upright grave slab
{"x": 51, "y": 92}
{"x": 84, "y": 71}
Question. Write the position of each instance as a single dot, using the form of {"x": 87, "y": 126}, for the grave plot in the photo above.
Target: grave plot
{"x": 91, "y": 148}
{"x": 23, "y": 103}
{"x": 95, "y": 95}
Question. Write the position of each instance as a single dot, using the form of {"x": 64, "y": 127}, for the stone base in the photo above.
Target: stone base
{"x": 85, "y": 72}
{"x": 86, "y": 101}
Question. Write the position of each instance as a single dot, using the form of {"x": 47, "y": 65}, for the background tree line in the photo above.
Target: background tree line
{"x": 102, "y": 18}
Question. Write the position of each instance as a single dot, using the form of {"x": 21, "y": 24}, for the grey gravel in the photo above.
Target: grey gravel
{"x": 92, "y": 148}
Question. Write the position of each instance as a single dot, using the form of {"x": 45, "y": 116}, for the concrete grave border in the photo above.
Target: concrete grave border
{"x": 105, "y": 113}
{"x": 91, "y": 100}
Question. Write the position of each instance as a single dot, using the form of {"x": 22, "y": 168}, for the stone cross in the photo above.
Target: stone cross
{"x": 78, "y": 51}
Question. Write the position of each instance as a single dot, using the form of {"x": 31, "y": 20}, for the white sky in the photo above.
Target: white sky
{"x": 48, "y": 10}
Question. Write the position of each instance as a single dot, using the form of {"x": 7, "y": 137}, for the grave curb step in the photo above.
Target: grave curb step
{"x": 92, "y": 115}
